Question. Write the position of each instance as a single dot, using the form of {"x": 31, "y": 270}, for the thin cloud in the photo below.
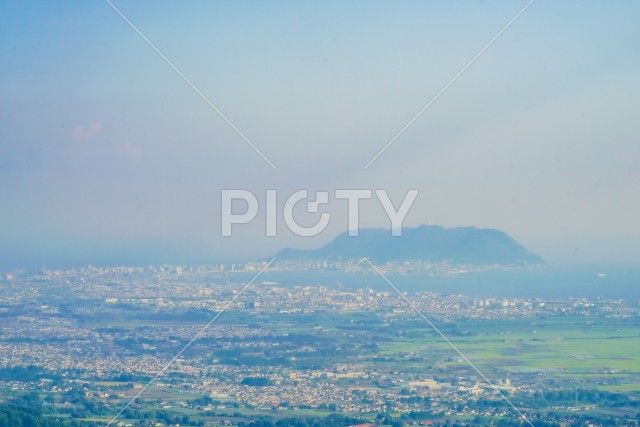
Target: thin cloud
{"x": 87, "y": 133}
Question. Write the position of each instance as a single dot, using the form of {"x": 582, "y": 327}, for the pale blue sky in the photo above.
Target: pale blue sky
{"x": 108, "y": 154}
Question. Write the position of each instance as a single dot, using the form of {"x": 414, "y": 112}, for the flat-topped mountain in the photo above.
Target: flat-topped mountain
{"x": 431, "y": 243}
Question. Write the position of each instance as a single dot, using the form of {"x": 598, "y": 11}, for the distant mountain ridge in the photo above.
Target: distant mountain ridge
{"x": 432, "y": 243}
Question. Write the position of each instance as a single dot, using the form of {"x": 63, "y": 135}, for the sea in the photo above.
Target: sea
{"x": 546, "y": 282}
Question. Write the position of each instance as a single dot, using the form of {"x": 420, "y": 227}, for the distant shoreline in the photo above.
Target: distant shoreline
{"x": 542, "y": 282}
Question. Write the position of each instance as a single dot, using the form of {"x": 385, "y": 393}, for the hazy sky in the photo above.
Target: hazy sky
{"x": 108, "y": 156}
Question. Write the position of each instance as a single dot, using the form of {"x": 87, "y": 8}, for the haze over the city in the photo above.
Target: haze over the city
{"x": 108, "y": 156}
